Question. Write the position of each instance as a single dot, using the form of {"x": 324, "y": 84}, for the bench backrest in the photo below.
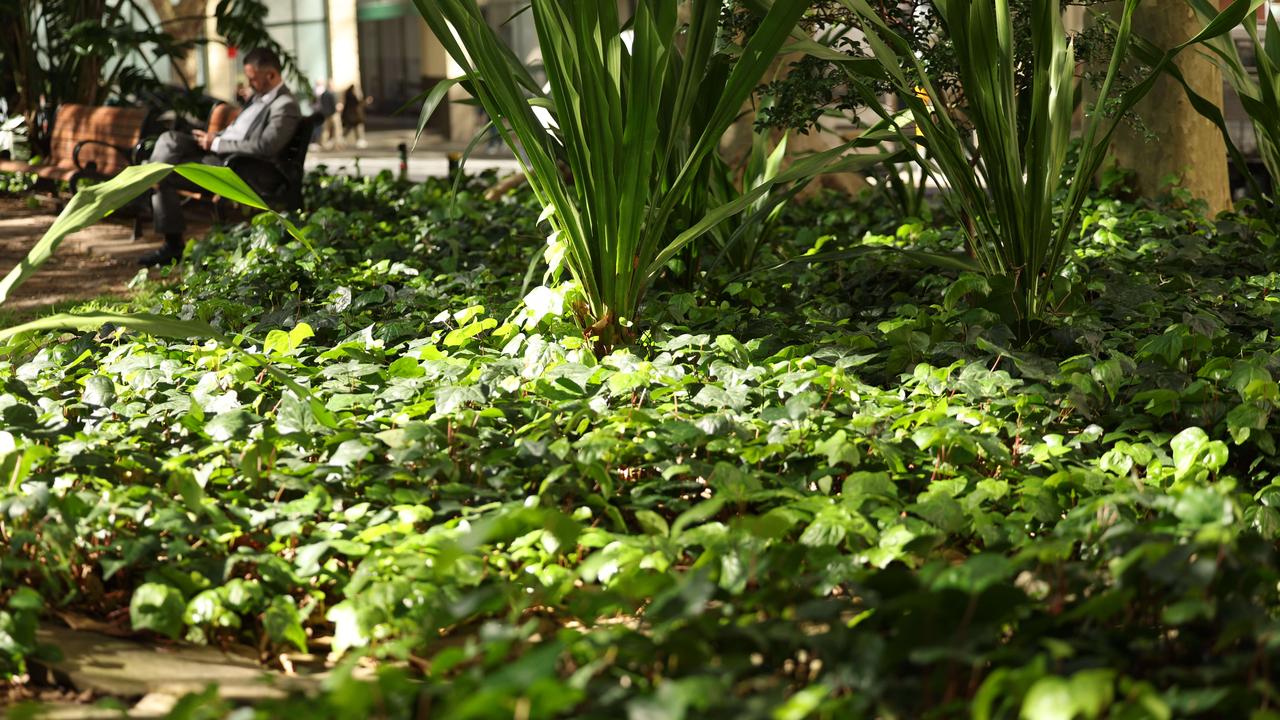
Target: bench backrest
{"x": 221, "y": 117}
{"x": 294, "y": 154}
{"x": 294, "y": 157}
{"x": 118, "y": 126}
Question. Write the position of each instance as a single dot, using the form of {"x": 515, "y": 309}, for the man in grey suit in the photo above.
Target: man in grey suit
{"x": 263, "y": 129}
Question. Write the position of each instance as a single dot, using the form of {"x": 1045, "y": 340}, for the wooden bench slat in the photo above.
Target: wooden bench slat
{"x": 121, "y": 127}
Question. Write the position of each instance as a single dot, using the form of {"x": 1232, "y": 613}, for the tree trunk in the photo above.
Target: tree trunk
{"x": 1186, "y": 144}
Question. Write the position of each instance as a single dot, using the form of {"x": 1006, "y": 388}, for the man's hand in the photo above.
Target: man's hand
{"x": 203, "y": 138}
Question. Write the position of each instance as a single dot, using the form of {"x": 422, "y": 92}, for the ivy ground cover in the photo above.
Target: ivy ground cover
{"x": 822, "y": 490}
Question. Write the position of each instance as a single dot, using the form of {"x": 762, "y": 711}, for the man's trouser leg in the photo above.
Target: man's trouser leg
{"x": 175, "y": 148}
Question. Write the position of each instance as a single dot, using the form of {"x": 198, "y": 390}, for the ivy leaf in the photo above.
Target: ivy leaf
{"x": 1244, "y": 419}
{"x": 307, "y": 560}
{"x": 347, "y": 630}
{"x": 1166, "y": 347}
{"x": 1192, "y": 450}
{"x": 406, "y": 367}
{"x": 349, "y": 453}
{"x": 839, "y": 450}
{"x": 283, "y": 623}
{"x": 731, "y": 483}
{"x": 451, "y": 397}
{"x": 1093, "y": 691}
{"x": 831, "y": 525}
{"x": 157, "y": 607}
{"x": 1110, "y": 375}
{"x": 965, "y": 285}
{"x": 1049, "y": 699}
{"x": 24, "y": 598}
{"x": 461, "y": 335}
{"x": 861, "y": 485}
{"x": 295, "y": 416}
{"x": 280, "y": 342}
{"x": 229, "y": 425}
{"x": 735, "y": 349}
{"x": 98, "y": 391}
{"x": 1245, "y": 374}
{"x": 652, "y": 523}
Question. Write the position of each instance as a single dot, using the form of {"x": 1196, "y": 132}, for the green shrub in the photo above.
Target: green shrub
{"x": 634, "y": 113}
{"x": 1005, "y": 163}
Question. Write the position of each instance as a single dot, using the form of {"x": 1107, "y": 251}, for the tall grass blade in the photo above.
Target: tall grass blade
{"x": 621, "y": 138}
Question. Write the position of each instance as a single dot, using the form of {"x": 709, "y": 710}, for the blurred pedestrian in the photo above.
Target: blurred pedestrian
{"x": 327, "y": 105}
{"x": 353, "y": 107}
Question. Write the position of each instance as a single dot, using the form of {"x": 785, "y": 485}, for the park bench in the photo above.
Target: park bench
{"x": 88, "y": 142}
{"x": 278, "y": 182}
{"x": 221, "y": 117}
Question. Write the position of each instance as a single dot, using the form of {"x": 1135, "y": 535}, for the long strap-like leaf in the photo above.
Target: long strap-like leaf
{"x": 93, "y": 203}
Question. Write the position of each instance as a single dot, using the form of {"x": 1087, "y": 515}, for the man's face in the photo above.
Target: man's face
{"x": 261, "y": 79}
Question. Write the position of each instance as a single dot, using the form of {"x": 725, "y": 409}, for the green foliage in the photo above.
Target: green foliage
{"x": 18, "y": 620}
{"x": 633, "y": 114}
{"x": 830, "y": 492}
{"x": 812, "y": 85}
{"x": 740, "y": 240}
{"x": 18, "y": 183}
{"x": 96, "y": 201}
{"x": 95, "y": 51}
{"x": 1008, "y": 186}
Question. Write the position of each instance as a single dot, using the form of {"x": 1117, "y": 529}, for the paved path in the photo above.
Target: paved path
{"x": 95, "y": 262}
{"x": 429, "y": 159}
{"x": 421, "y": 164}
{"x": 150, "y": 677}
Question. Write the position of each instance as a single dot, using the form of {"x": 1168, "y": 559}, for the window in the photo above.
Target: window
{"x": 302, "y": 28}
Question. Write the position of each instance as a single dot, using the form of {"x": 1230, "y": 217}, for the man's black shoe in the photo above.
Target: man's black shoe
{"x": 164, "y": 256}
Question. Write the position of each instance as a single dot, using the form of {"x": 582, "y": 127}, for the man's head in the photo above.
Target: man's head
{"x": 262, "y": 69}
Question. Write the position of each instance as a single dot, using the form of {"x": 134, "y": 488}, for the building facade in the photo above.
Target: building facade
{"x": 322, "y": 35}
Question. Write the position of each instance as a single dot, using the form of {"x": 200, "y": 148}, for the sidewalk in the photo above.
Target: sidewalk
{"x": 429, "y": 159}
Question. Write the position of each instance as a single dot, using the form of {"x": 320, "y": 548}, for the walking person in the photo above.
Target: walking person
{"x": 353, "y": 106}
{"x": 327, "y": 105}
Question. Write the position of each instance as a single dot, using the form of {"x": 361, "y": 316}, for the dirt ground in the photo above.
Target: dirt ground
{"x": 95, "y": 262}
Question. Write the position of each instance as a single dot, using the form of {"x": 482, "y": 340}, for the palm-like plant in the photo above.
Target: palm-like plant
{"x": 633, "y": 113}
{"x": 1004, "y": 166}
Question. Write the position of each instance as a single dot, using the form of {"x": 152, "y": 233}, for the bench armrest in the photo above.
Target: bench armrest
{"x": 142, "y": 151}
{"x": 75, "y": 154}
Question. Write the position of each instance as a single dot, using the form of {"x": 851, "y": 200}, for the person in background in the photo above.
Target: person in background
{"x": 263, "y": 129}
{"x": 353, "y": 105}
{"x": 327, "y": 105}
{"x": 244, "y": 95}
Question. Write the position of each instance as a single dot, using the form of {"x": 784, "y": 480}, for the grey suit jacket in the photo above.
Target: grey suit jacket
{"x": 270, "y": 131}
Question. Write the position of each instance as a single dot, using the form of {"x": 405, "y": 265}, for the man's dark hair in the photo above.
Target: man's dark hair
{"x": 263, "y": 58}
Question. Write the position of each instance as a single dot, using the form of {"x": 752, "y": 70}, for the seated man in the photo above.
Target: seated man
{"x": 263, "y": 128}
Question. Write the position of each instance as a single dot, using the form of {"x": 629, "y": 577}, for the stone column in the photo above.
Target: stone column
{"x": 221, "y": 69}
{"x": 344, "y": 45}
